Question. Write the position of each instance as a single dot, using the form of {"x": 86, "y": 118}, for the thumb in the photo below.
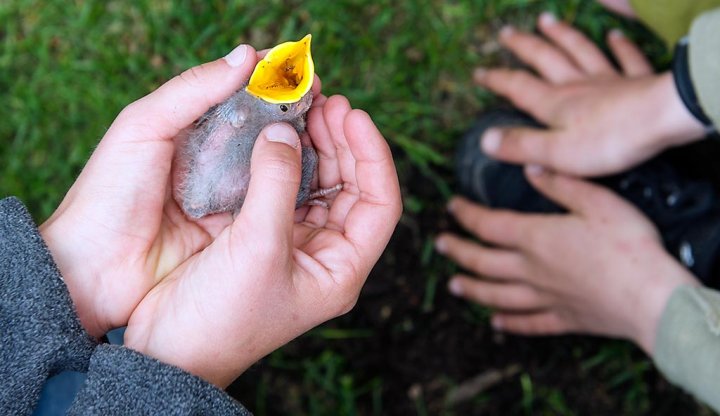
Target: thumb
{"x": 182, "y": 100}
{"x": 523, "y": 145}
{"x": 132, "y": 163}
{"x": 269, "y": 206}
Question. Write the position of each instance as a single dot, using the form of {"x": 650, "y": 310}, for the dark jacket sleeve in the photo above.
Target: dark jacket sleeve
{"x": 40, "y": 335}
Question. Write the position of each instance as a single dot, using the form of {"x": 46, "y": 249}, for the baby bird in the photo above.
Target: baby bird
{"x": 214, "y": 159}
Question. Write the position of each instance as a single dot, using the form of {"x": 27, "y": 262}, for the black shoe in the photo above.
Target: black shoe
{"x": 686, "y": 211}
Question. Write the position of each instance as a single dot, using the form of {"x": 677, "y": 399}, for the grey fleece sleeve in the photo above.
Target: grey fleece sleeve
{"x": 687, "y": 347}
{"x": 705, "y": 62}
{"x": 41, "y": 335}
{"x": 121, "y": 381}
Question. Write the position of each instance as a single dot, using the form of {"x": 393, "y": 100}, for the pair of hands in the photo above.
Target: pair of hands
{"x": 601, "y": 267}
{"x": 215, "y": 295}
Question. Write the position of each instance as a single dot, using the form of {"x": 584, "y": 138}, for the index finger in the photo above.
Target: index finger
{"x": 526, "y": 91}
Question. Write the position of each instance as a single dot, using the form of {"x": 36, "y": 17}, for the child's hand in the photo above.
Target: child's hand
{"x": 119, "y": 231}
{"x": 600, "y": 121}
{"x": 599, "y": 269}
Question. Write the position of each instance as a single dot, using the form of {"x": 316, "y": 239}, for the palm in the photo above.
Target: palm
{"x": 223, "y": 277}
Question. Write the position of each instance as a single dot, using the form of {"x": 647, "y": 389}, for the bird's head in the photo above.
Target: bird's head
{"x": 285, "y": 75}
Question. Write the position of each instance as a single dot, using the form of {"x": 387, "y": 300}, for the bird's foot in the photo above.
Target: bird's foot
{"x": 314, "y": 198}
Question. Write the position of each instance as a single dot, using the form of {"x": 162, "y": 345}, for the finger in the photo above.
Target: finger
{"x": 322, "y": 140}
{"x": 630, "y": 58}
{"x": 319, "y": 100}
{"x": 622, "y": 7}
{"x": 316, "y": 86}
{"x": 499, "y": 227}
{"x": 328, "y": 168}
{"x": 335, "y": 112}
{"x": 577, "y": 46}
{"x": 133, "y": 162}
{"x": 372, "y": 218}
{"x": 527, "y": 92}
{"x": 523, "y": 145}
{"x": 269, "y": 207}
{"x": 541, "y": 323}
{"x": 505, "y": 296}
{"x": 576, "y": 195}
{"x": 551, "y": 63}
{"x": 481, "y": 260}
{"x": 182, "y": 100}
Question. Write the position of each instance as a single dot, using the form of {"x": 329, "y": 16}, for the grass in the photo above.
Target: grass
{"x": 68, "y": 67}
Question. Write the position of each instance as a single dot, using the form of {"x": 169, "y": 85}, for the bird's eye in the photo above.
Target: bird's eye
{"x": 283, "y": 108}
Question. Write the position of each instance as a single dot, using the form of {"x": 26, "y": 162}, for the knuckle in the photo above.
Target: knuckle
{"x": 488, "y": 297}
{"x": 193, "y": 76}
{"x": 133, "y": 120}
{"x": 519, "y": 79}
{"x": 572, "y": 37}
{"x": 477, "y": 226}
{"x": 526, "y": 142}
{"x": 519, "y": 265}
{"x": 475, "y": 263}
{"x": 280, "y": 169}
{"x": 534, "y": 239}
{"x": 129, "y": 113}
{"x": 347, "y": 305}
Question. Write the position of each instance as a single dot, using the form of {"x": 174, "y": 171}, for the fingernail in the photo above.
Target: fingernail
{"x": 507, "y": 30}
{"x": 455, "y": 287}
{"x": 617, "y": 34}
{"x": 491, "y": 140}
{"x": 441, "y": 245}
{"x": 534, "y": 170}
{"x": 237, "y": 56}
{"x": 282, "y": 133}
{"x": 497, "y": 323}
{"x": 479, "y": 74}
{"x": 548, "y": 19}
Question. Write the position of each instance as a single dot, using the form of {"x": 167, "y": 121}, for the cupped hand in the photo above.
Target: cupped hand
{"x": 599, "y": 120}
{"x": 118, "y": 230}
{"x": 599, "y": 269}
{"x": 266, "y": 279}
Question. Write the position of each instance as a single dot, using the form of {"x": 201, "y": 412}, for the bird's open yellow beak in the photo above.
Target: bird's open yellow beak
{"x": 286, "y": 73}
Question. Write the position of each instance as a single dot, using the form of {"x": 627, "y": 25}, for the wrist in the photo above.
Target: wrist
{"x": 80, "y": 293}
{"x": 191, "y": 357}
{"x": 202, "y": 347}
{"x": 654, "y": 297}
{"x": 676, "y": 125}
{"x": 685, "y": 85}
